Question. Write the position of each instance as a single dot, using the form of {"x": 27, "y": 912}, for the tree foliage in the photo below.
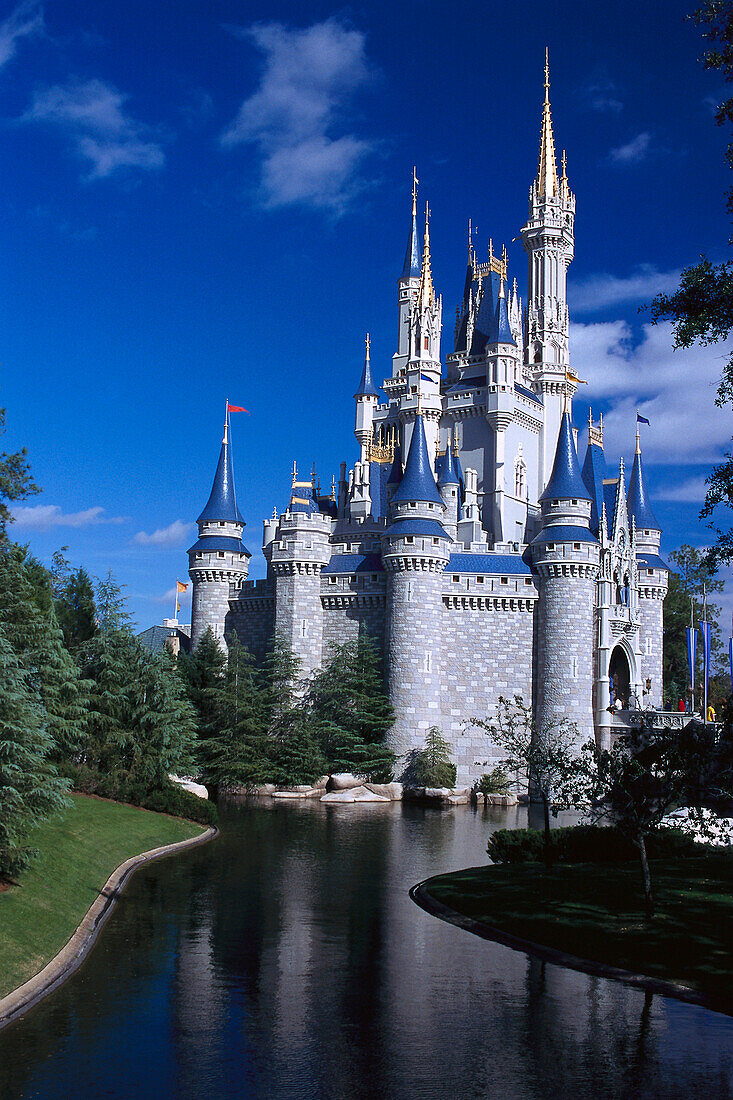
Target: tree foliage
{"x": 701, "y": 309}
{"x": 431, "y": 766}
{"x": 76, "y": 608}
{"x": 691, "y": 574}
{"x": 16, "y": 482}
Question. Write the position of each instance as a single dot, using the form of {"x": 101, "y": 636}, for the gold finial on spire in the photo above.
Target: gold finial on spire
{"x": 333, "y": 486}
{"x": 225, "y": 438}
{"x": 638, "y": 442}
{"x": 415, "y": 182}
{"x": 295, "y": 472}
{"x": 367, "y": 344}
{"x": 426, "y": 295}
{"x": 470, "y": 241}
{"x": 590, "y": 417}
{"x": 546, "y": 183}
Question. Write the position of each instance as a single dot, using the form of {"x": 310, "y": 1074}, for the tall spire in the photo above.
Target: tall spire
{"x": 638, "y": 502}
{"x": 418, "y": 480}
{"x": 222, "y": 503}
{"x": 366, "y": 385}
{"x": 547, "y": 183}
{"x": 411, "y": 266}
{"x": 566, "y": 480}
{"x": 426, "y": 297}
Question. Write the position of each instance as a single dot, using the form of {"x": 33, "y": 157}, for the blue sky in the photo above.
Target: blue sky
{"x": 211, "y": 199}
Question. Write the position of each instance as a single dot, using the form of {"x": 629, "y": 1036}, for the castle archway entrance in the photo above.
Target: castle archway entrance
{"x": 619, "y": 675}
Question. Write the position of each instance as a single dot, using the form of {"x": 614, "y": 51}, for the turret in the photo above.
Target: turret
{"x": 565, "y": 556}
{"x": 415, "y": 551}
{"x": 549, "y": 241}
{"x": 449, "y": 485}
{"x": 653, "y": 578}
{"x": 502, "y": 366}
{"x": 218, "y": 560}
{"x": 367, "y": 399}
{"x": 407, "y": 287}
{"x": 423, "y": 369}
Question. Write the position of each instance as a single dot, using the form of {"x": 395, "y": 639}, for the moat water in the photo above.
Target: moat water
{"x": 286, "y": 959}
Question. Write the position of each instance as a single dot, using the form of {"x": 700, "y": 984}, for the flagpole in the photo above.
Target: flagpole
{"x": 705, "y": 651}
{"x": 175, "y": 602}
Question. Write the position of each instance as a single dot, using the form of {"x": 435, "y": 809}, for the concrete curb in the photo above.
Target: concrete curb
{"x": 70, "y": 957}
{"x": 421, "y": 895}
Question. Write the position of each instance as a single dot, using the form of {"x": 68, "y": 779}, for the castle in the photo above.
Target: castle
{"x": 466, "y": 540}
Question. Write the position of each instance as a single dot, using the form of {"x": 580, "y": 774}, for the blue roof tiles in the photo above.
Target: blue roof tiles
{"x": 488, "y": 563}
{"x": 562, "y": 532}
{"x": 594, "y": 471}
{"x": 366, "y": 384}
{"x": 565, "y": 480}
{"x": 413, "y": 258}
{"x": 418, "y": 482}
{"x": 417, "y": 526}
{"x": 637, "y": 500}
{"x": 222, "y": 503}
{"x": 448, "y": 472}
{"x": 354, "y": 563}
{"x": 212, "y": 543}
{"x": 502, "y": 328}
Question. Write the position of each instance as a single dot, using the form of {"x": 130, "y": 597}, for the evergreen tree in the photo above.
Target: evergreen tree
{"x": 37, "y": 642}
{"x": 30, "y": 789}
{"x": 350, "y": 712}
{"x": 297, "y": 756}
{"x": 238, "y": 754}
{"x": 109, "y": 664}
{"x": 431, "y": 766}
{"x": 280, "y": 682}
{"x": 76, "y": 610}
{"x": 112, "y": 613}
{"x": 16, "y": 482}
{"x": 203, "y": 671}
{"x": 162, "y": 721}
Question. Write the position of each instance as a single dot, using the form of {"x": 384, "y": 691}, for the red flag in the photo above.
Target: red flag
{"x": 237, "y": 409}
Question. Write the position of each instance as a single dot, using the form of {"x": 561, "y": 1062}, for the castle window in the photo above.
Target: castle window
{"x": 573, "y": 502}
{"x": 505, "y": 580}
{"x": 413, "y": 389}
{"x": 413, "y": 504}
{"x": 456, "y": 578}
{"x": 427, "y": 667}
{"x": 648, "y": 647}
{"x": 220, "y": 553}
{"x": 650, "y": 572}
{"x": 479, "y": 580}
{"x": 435, "y": 542}
{"x": 574, "y": 668}
{"x": 550, "y": 545}
{"x": 426, "y": 343}
{"x": 647, "y": 532}
{"x": 527, "y": 580}
{"x": 576, "y": 546}
{"x": 331, "y": 580}
{"x": 304, "y": 627}
{"x": 409, "y": 538}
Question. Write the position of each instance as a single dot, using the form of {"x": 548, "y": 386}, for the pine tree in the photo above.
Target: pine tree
{"x": 162, "y": 721}
{"x": 30, "y": 789}
{"x": 29, "y": 620}
{"x": 76, "y": 610}
{"x": 112, "y": 613}
{"x": 203, "y": 675}
{"x": 239, "y": 753}
{"x": 16, "y": 482}
{"x": 280, "y": 681}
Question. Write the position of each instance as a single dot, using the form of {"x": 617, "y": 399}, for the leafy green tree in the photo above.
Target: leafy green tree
{"x": 432, "y": 765}
{"x": 31, "y": 628}
{"x": 76, "y": 609}
{"x": 701, "y": 309}
{"x": 16, "y": 482}
{"x": 203, "y": 672}
{"x": 30, "y": 789}
{"x": 543, "y": 760}
{"x": 691, "y": 573}
{"x": 238, "y": 754}
{"x": 350, "y": 712}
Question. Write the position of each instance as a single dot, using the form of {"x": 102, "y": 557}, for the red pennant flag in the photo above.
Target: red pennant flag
{"x": 237, "y": 409}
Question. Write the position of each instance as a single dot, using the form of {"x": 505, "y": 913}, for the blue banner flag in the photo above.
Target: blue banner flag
{"x": 641, "y": 419}
{"x": 691, "y": 654}
{"x": 730, "y": 662}
{"x": 706, "y": 637}
{"x": 425, "y": 378}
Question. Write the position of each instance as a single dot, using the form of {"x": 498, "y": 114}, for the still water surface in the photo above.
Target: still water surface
{"x": 287, "y": 960}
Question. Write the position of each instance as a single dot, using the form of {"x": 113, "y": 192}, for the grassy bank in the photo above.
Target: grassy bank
{"x": 595, "y": 912}
{"x": 79, "y": 851}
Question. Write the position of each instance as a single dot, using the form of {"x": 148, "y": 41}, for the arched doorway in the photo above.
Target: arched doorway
{"x": 619, "y": 676}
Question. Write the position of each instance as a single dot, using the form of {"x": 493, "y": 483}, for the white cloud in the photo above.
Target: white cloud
{"x": 675, "y": 390}
{"x": 42, "y": 517}
{"x": 27, "y": 19}
{"x": 104, "y": 133}
{"x": 172, "y": 535}
{"x": 308, "y": 77}
{"x": 691, "y": 491}
{"x": 603, "y": 95}
{"x": 633, "y": 151}
{"x": 600, "y": 291}
{"x": 169, "y": 596}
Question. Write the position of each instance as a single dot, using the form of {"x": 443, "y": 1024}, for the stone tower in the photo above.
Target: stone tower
{"x": 449, "y": 485}
{"x": 218, "y": 562}
{"x": 565, "y": 556}
{"x": 549, "y": 240}
{"x": 415, "y": 551}
{"x": 652, "y": 578}
{"x": 295, "y": 559}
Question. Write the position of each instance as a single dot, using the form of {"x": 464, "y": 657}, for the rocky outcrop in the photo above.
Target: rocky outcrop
{"x": 354, "y": 794}
{"x": 438, "y": 796}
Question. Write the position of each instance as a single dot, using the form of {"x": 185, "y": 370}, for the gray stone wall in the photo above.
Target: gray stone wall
{"x": 209, "y": 607}
{"x": 252, "y": 617}
{"x": 299, "y": 616}
{"x": 353, "y": 619}
{"x": 565, "y": 650}
{"x": 488, "y": 651}
{"x": 652, "y": 634}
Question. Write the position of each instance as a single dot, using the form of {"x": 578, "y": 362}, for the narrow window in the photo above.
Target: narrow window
{"x": 425, "y": 343}
{"x": 576, "y": 546}
{"x": 409, "y": 538}
{"x": 304, "y": 627}
{"x": 505, "y": 580}
{"x": 456, "y": 578}
{"x": 408, "y": 597}
{"x": 428, "y": 662}
{"x": 220, "y": 553}
{"x": 479, "y": 580}
{"x": 574, "y": 668}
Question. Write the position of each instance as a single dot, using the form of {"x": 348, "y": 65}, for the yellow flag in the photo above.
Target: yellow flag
{"x": 574, "y": 378}
{"x": 181, "y": 587}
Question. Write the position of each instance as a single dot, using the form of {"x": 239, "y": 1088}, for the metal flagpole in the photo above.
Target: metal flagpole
{"x": 705, "y": 652}
{"x": 175, "y": 602}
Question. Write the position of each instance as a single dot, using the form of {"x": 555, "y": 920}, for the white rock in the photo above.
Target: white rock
{"x": 290, "y": 794}
{"x": 189, "y": 785}
{"x": 344, "y": 781}
{"x": 392, "y": 791}
{"x": 266, "y": 788}
{"x": 354, "y": 794}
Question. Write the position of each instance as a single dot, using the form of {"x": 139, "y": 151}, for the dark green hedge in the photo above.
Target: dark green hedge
{"x": 586, "y": 844}
{"x": 168, "y": 799}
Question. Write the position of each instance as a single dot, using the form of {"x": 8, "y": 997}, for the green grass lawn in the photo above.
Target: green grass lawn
{"x": 79, "y": 850}
{"x": 595, "y": 911}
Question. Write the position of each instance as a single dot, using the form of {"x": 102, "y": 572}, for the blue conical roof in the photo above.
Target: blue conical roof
{"x": 565, "y": 480}
{"x": 502, "y": 328}
{"x": 594, "y": 471}
{"x": 418, "y": 482}
{"x": 395, "y": 473}
{"x": 637, "y": 500}
{"x": 222, "y": 502}
{"x": 366, "y": 385}
{"x": 448, "y": 474}
{"x": 413, "y": 256}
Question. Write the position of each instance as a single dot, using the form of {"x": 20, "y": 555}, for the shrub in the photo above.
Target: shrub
{"x": 120, "y": 787}
{"x": 494, "y": 782}
{"x": 431, "y": 766}
{"x": 587, "y": 844}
